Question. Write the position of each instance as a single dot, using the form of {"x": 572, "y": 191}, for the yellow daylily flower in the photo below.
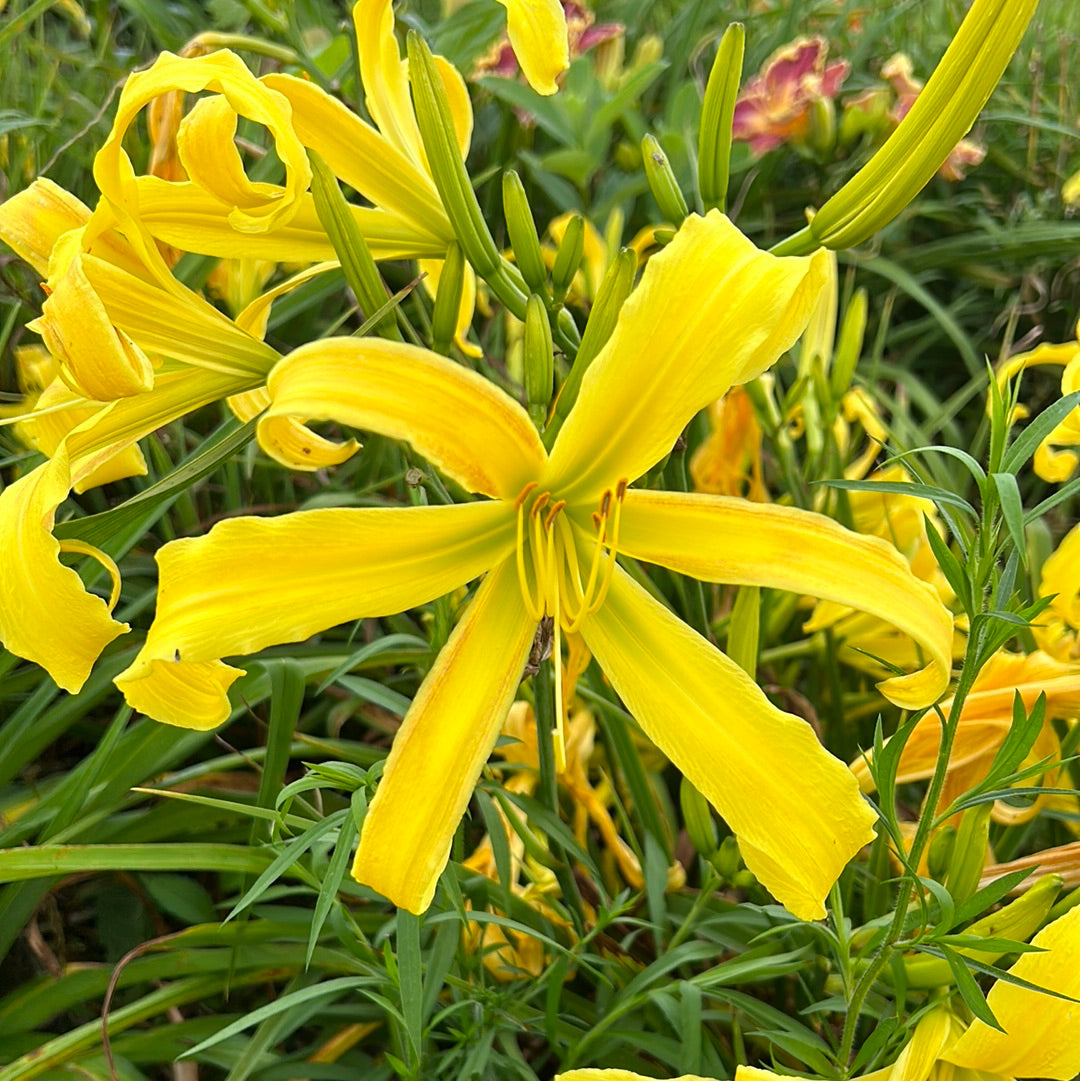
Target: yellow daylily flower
{"x": 728, "y": 462}
{"x": 711, "y": 310}
{"x": 985, "y": 721}
{"x": 1055, "y": 466}
{"x": 200, "y": 356}
{"x": 1039, "y": 1038}
{"x": 217, "y": 210}
{"x": 1057, "y": 629}
{"x": 538, "y": 36}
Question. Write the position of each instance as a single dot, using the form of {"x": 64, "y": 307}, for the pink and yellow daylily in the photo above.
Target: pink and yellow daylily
{"x": 1038, "y": 1041}
{"x": 775, "y": 106}
{"x": 711, "y": 310}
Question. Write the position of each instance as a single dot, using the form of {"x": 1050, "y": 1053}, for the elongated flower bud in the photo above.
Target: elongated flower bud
{"x": 568, "y": 257}
{"x": 538, "y": 359}
{"x": 969, "y": 852}
{"x": 614, "y": 289}
{"x": 357, "y": 264}
{"x": 448, "y": 300}
{"x": 448, "y": 170}
{"x": 717, "y": 114}
{"x": 941, "y": 116}
{"x": 662, "y": 182}
{"x": 523, "y": 239}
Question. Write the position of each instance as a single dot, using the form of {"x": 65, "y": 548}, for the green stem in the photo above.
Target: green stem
{"x": 922, "y": 835}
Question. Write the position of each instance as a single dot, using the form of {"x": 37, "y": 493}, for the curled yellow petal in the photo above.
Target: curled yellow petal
{"x": 1040, "y": 1031}
{"x": 222, "y": 73}
{"x": 442, "y": 745}
{"x": 538, "y": 36}
{"x": 458, "y": 420}
{"x": 46, "y": 614}
{"x": 362, "y": 157}
{"x": 32, "y": 221}
{"x": 711, "y": 310}
{"x": 97, "y": 359}
{"x": 329, "y": 566}
{"x": 721, "y": 539}
{"x": 795, "y": 810}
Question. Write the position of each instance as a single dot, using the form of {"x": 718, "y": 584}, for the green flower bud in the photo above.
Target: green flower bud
{"x": 568, "y": 257}
{"x": 662, "y": 181}
{"x": 448, "y": 300}
{"x": 969, "y": 852}
{"x": 448, "y": 170}
{"x": 697, "y": 818}
{"x": 610, "y": 297}
{"x": 941, "y": 116}
{"x": 357, "y": 264}
{"x": 538, "y": 359}
{"x": 717, "y": 114}
{"x": 523, "y": 239}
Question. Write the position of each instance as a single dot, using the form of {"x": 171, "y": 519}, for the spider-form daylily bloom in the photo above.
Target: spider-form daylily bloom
{"x": 218, "y": 210}
{"x": 119, "y": 331}
{"x": 711, "y": 310}
{"x": 1038, "y": 1041}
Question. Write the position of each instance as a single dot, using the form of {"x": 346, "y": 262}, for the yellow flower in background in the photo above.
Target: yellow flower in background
{"x": 217, "y": 210}
{"x": 538, "y": 35}
{"x": 711, "y": 310}
{"x": 1057, "y": 629}
{"x": 985, "y": 721}
{"x": 902, "y": 521}
{"x": 132, "y": 354}
{"x": 728, "y": 462}
{"x": 1055, "y": 466}
{"x": 1038, "y": 1041}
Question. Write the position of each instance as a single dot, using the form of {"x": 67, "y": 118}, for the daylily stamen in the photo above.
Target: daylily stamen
{"x": 77, "y": 547}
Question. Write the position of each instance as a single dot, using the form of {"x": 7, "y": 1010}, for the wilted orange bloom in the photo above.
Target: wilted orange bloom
{"x": 774, "y": 106}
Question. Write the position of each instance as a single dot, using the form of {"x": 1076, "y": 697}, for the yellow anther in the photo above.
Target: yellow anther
{"x": 77, "y": 547}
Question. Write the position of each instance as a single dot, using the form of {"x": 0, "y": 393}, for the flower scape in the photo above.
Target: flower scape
{"x": 434, "y": 648}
